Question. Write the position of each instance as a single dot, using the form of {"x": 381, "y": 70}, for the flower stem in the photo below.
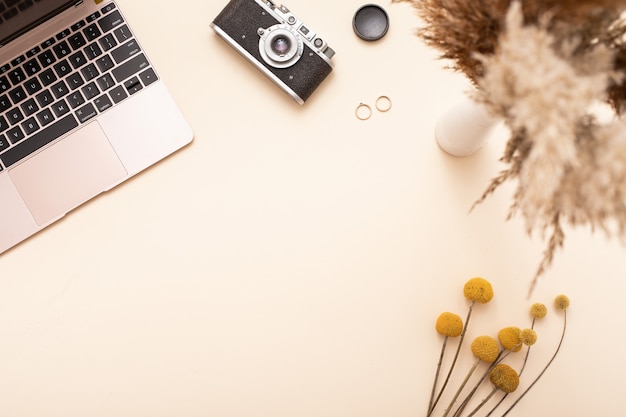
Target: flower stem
{"x": 483, "y": 402}
{"x": 544, "y": 369}
{"x": 501, "y": 356}
{"x": 432, "y": 393}
{"x": 506, "y": 394}
{"x": 456, "y": 356}
{"x": 532, "y": 326}
{"x": 458, "y": 391}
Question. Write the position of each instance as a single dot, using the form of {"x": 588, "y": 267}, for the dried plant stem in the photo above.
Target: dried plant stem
{"x": 501, "y": 356}
{"x": 458, "y": 391}
{"x": 483, "y": 402}
{"x": 456, "y": 356}
{"x": 432, "y": 393}
{"x": 506, "y": 394}
{"x": 544, "y": 369}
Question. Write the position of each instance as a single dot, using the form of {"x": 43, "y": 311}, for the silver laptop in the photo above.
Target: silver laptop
{"x": 81, "y": 110}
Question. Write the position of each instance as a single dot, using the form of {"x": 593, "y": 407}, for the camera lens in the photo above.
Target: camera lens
{"x": 281, "y": 45}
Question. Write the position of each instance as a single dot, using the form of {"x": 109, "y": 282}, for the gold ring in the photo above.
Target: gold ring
{"x": 363, "y": 111}
{"x": 383, "y": 104}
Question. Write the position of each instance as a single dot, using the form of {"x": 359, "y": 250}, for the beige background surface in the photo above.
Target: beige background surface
{"x": 292, "y": 260}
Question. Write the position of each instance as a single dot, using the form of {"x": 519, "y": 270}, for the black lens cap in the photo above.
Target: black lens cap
{"x": 370, "y": 22}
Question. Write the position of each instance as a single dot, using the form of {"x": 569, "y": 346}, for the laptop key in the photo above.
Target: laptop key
{"x": 17, "y": 76}
{"x": 118, "y": 94}
{"x": 89, "y": 72}
{"x": 77, "y": 41}
{"x": 63, "y": 68}
{"x": 123, "y": 33}
{"x": 92, "y": 51}
{"x": 125, "y": 51}
{"x": 77, "y": 60}
{"x": 14, "y": 116}
{"x": 75, "y": 99}
{"x": 5, "y": 103}
{"x": 108, "y": 8}
{"x": 47, "y": 58}
{"x": 62, "y": 50}
{"x": 29, "y": 107}
{"x": 60, "y": 108}
{"x": 48, "y": 77}
{"x": 108, "y": 42}
{"x": 32, "y": 67}
{"x": 4, "y": 143}
{"x": 105, "y": 82}
{"x": 92, "y": 32}
{"x": 87, "y": 112}
{"x": 105, "y": 63}
{"x": 74, "y": 81}
{"x": 30, "y": 126}
{"x": 32, "y": 86}
{"x": 15, "y": 135}
{"x": 45, "y": 117}
{"x": 103, "y": 103}
{"x": 4, "y": 83}
{"x": 148, "y": 77}
{"x": 90, "y": 90}
{"x": 60, "y": 89}
{"x": 4, "y": 125}
{"x": 17, "y": 94}
{"x": 133, "y": 85}
{"x": 110, "y": 21}
{"x": 130, "y": 68}
{"x": 44, "y": 98}
{"x": 38, "y": 140}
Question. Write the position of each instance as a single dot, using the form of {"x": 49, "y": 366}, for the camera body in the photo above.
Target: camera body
{"x": 277, "y": 43}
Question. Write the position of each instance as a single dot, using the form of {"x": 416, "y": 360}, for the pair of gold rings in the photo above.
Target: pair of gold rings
{"x": 364, "y": 111}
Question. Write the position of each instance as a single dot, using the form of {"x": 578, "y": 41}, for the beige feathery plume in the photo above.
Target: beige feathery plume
{"x": 542, "y": 66}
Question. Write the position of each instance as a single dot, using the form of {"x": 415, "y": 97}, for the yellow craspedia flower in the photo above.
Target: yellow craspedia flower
{"x": 509, "y": 338}
{"x": 538, "y": 310}
{"x": 449, "y": 324}
{"x": 528, "y": 336}
{"x": 478, "y": 290}
{"x": 485, "y": 348}
{"x": 561, "y": 302}
{"x": 504, "y": 377}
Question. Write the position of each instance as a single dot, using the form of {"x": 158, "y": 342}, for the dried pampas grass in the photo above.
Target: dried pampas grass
{"x": 542, "y": 66}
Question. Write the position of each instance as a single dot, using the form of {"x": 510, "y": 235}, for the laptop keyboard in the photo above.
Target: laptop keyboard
{"x": 66, "y": 81}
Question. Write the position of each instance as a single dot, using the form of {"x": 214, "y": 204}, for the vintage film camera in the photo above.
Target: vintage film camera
{"x": 277, "y": 43}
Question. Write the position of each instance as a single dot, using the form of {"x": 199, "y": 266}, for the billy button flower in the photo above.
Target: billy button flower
{"x": 527, "y": 337}
{"x": 448, "y": 325}
{"x": 510, "y": 341}
{"x": 477, "y": 290}
{"x": 486, "y": 349}
{"x": 561, "y": 302}
{"x": 504, "y": 378}
{"x": 538, "y": 311}
{"x": 509, "y": 338}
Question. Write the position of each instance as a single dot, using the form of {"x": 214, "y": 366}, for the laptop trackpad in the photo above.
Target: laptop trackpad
{"x": 68, "y": 173}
